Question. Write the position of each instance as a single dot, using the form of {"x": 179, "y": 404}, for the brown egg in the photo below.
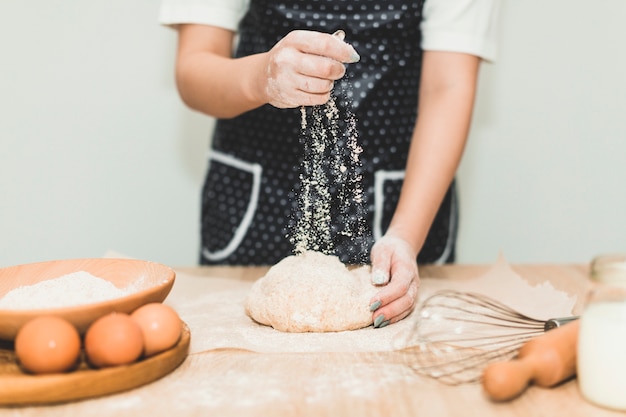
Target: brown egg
{"x": 160, "y": 325}
{"x": 47, "y": 344}
{"x": 113, "y": 339}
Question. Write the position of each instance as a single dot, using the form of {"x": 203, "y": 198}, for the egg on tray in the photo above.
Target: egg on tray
{"x": 114, "y": 339}
{"x": 48, "y": 344}
{"x": 160, "y": 325}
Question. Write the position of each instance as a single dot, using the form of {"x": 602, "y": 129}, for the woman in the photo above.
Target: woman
{"x": 400, "y": 54}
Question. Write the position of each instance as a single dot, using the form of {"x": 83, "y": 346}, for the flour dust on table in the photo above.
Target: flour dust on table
{"x": 312, "y": 292}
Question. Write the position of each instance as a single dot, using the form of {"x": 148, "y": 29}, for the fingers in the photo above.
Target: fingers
{"x": 303, "y": 66}
{"x": 290, "y": 59}
{"x": 323, "y": 44}
{"x": 381, "y": 263}
{"x": 394, "y": 266}
{"x": 302, "y": 91}
{"x": 397, "y": 300}
{"x": 311, "y": 85}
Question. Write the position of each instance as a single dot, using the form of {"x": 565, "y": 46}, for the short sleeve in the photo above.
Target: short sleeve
{"x": 221, "y": 13}
{"x": 468, "y": 26}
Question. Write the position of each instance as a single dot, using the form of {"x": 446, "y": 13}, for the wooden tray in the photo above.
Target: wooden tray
{"x": 20, "y": 388}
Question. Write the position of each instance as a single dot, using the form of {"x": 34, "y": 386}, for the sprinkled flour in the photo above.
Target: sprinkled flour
{"x": 69, "y": 290}
{"x": 330, "y": 201}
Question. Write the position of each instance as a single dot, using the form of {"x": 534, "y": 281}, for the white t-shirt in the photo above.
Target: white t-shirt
{"x": 468, "y": 26}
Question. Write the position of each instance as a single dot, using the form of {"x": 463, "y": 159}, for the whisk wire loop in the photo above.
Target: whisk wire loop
{"x": 457, "y": 334}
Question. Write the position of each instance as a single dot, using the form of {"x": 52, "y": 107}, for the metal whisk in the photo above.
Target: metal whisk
{"x": 457, "y": 334}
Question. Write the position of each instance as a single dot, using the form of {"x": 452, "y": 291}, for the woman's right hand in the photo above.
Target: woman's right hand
{"x": 298, "y": 71}
{"x": 302, "y": 67}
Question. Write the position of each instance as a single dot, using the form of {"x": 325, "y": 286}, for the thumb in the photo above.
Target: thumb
{"x": 381, "y": 263}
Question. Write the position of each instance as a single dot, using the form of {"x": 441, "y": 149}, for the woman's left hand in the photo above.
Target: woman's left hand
{"x": 394, "y": 268}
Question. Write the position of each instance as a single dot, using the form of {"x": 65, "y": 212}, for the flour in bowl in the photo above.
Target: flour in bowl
{"x": 76, "y": 288}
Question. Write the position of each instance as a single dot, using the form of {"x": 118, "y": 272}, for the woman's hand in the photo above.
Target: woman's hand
{"x": 394, "y": 267}
{"x": 298, "y": 71}
{"x": 302, "y": 67}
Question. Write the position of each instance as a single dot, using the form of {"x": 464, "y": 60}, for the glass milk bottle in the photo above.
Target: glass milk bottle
{"x": 601, "y": 359}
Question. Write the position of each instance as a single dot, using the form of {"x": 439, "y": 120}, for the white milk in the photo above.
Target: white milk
{"x": 602, "y": 354}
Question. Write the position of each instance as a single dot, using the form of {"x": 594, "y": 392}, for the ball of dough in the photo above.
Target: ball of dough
{"x": 312, "y": 292}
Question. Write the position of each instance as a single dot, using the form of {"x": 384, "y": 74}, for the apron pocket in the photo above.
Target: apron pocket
{"x": 439, "y": 245}
{"x": 229, "y": 201}
{"x": 387, "y": 187}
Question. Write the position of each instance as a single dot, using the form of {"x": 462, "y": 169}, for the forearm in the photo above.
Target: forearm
{"x": 209, "y": 80}
{"x": 446, "y": 101}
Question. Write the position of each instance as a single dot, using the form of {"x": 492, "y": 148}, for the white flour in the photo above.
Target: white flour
{"x": 69, "y": 290}
{"x": 330, "y": 181}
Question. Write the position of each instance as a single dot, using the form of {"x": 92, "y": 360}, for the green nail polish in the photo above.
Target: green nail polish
{"x": 378, "y": 320}
{"x": 354, "y": 57}
{"x": 375, "y": 306}
{"x": 384, "y": 323}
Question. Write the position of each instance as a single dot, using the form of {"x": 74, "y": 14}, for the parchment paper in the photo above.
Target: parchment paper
{"x": 217, "y": 319}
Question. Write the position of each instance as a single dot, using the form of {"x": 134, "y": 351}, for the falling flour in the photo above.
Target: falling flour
{"x": 330, "y": 201}
{"x": 69, "y": 290}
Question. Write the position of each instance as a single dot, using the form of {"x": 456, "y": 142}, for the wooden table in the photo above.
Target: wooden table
{"x": 235, "y": 382}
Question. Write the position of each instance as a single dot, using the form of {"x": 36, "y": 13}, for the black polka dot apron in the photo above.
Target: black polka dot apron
{"x": 250, "y": 191}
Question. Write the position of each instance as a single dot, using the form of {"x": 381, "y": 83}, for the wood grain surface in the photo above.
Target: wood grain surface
{"x": 20, "y": 388}
{"x": 234, "y": 382}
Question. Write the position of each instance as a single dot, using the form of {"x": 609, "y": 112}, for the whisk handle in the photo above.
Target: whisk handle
{"x": 554, "y": 323}
{"x": 546, "y": 360}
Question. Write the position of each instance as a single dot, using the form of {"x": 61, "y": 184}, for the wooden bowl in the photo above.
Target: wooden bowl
{"x": 144, "y": 282}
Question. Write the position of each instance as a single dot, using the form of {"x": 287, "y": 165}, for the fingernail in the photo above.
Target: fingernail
{"x": 384, "y": 323}
{"x": 375, "y": 306}
{"x": 340, "y": 34}
{"x": 378, "y": 320}
{"x": 379, "y": 277}
{"x": 355, "y": 57}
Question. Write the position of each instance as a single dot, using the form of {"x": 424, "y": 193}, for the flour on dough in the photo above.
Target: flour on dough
{"x": 312, "y": 292}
